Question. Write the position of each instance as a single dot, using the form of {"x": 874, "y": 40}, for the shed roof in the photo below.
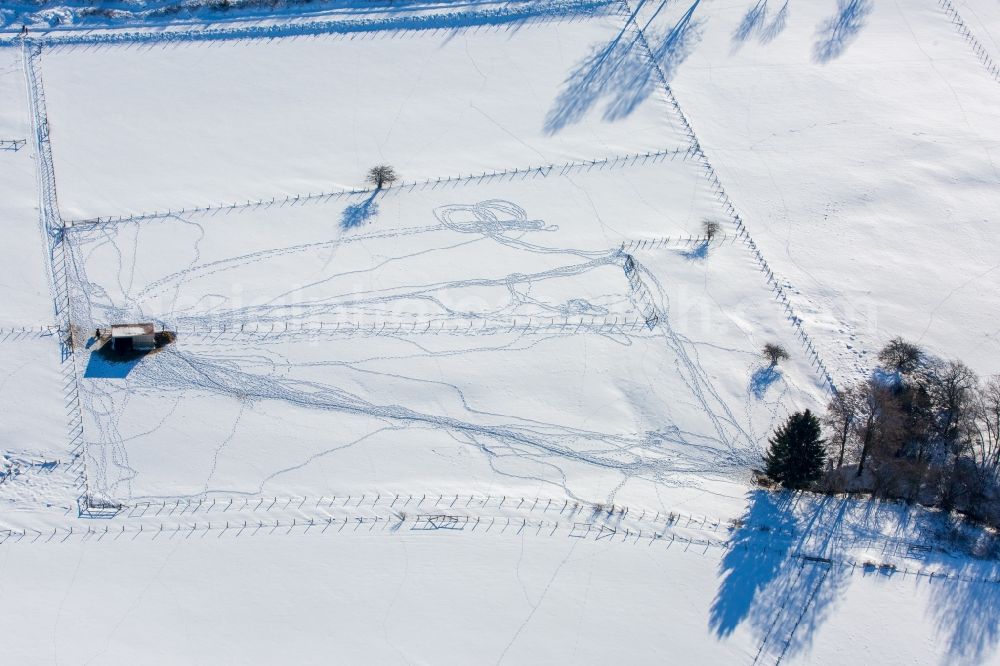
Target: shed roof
{"x": 131, "y": 330}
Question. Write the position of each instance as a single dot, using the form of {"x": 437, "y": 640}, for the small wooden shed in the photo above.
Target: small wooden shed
{"x": 140, "y": 337}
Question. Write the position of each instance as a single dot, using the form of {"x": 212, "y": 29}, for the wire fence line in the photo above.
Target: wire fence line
{"x": 283, "y": 330}
{"x": 658, "y": 242}
{"x": 451, "y": 21}
{"x": 433, "y": 522}
{"x": 12, "y": 144}
{"x": 424, "y": 512}
{"x": 982, "y": 54}
{"x": 16, "y": 333}
{"x": 641, "y": 295}
{"x": 466, "y": 507}
{"x": 425, "y": 501}
{"x": 778, "y": 287}
{"x": 51, "y": 223}
{"x": 512, "y": 526}
{"x": 545, "y": 170}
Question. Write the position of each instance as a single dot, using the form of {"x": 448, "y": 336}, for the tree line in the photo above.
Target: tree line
{"x": 920, "y": 428}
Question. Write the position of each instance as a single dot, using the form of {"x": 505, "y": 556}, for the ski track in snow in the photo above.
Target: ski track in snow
{"x": 245, "y": 367}
{"x": 732, "y": 446}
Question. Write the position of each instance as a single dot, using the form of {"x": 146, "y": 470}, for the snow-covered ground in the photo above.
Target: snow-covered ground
{"x": 506, "y": 410}
{"x": 531, "y": 589}
{"x": 232, "y": 121}
{"x": 860, "y": 141}
{"x": 23, "y": 265}
{"x": 978, "y": 20}
{"x": 32, "y": 393}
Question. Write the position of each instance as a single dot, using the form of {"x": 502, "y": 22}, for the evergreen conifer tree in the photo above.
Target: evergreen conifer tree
{"x": 796, "y": 456}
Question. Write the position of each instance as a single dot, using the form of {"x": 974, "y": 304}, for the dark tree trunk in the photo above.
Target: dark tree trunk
{"x": 866, "y": 447}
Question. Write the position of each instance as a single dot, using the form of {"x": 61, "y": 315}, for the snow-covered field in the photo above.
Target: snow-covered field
{"x": 232, "y": 121}
{"x": 864, "y": 159}
{"x": 506, "y": 410}
{"x": 23, "y": 271}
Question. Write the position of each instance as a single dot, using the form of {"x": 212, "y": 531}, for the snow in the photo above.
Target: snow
{"x": 274, "y": 345}
{"x": 549, "y": 599}
{"x": 278, "y": 594}
{"x": 34, "y": 423}
{"x": 483, "y": 101}
{"x": 253, "y": 413}
{"x": 982, "y": 19}
{"x": 869, "y": 199}
{"x": 222, "y": 265}
{"x": 507, "y": 409}
{"x": 22, "y": 257}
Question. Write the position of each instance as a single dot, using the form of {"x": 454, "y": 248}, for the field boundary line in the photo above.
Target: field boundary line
{"x": 489, "y": 176}
{"x": 778, "y": 286}
{"x": 422, "y": 22}
{"x": 53, "y": 232}
{"x": 982, "y": 54}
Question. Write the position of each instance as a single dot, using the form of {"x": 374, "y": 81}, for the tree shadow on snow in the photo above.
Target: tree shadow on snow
{"x": 967, "y": 615}
{"x": 965, "y": 605}
{"x": 963, "y": 595}
{"x": 776, "y": 576}
{"x": 356, "y": 215}
{"x": 836, "y": 33}
{"x": 757, "y": 550}
{"x": 620, "y": 72}
{"x": 787, "y": 566}
{"x": 697, "y": 253}
{"x": 755, "y": 22}
{"x": 761, "y": 380}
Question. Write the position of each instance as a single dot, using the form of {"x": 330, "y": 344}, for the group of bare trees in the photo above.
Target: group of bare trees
{"x": 920, "y": 428}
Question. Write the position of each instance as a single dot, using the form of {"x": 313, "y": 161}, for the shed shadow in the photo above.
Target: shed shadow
{"x": 105, "y": 365}
{"x": 107, "y": 362}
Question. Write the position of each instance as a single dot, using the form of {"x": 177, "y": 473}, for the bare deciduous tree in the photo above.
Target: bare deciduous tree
{"x": 774, "y": 353}
{"x": 382, "y": 175}
{"x": 952, "y": 387}
{"x": 984, "y": 439}
{"x": 842, "y": 413}
{"x": 901, "y": 356}
{"x": 711, "y": 229}
{"x": 880, "y": 428}
{"x": 924, "y": 429}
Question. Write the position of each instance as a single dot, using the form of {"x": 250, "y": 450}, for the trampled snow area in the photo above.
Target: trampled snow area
{"x": 507, "y": 409}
